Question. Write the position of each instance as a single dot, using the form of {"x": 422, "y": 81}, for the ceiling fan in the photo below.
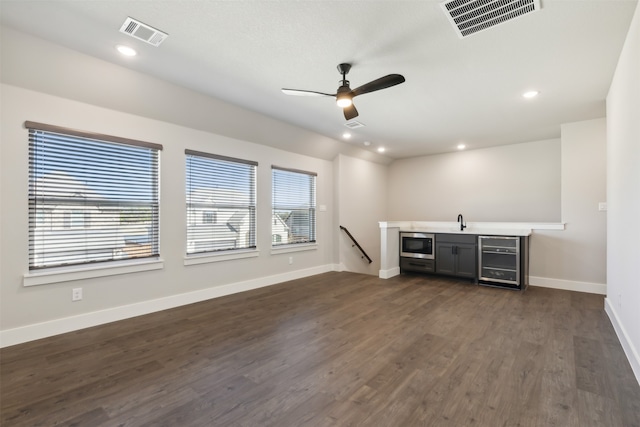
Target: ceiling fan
{"x": 344, "y": 96}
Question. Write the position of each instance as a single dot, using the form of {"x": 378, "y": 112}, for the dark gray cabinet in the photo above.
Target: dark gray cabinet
{"x": 417, "y": 265}
{"x": 456, "y": 255}
{"x": 489, "y": 260}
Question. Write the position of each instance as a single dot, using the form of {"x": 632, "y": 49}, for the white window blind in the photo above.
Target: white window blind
{"x": 92, "y": 198}
{"x": 294, "y": 206}
{"x": 221, "y": 203}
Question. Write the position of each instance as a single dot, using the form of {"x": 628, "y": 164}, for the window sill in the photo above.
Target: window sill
{"x": 68, "y": 274}
{"x": 295, "y": 247}
{"x": 218, "y": 257}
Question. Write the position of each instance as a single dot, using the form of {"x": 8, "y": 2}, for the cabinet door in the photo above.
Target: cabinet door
{"x": 445, "y": 258}
{"x": 466, "y": 261}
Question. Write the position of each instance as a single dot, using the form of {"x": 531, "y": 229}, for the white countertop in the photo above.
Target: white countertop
{"x": 476, "y": 228}
{"x": 474, "y": 231}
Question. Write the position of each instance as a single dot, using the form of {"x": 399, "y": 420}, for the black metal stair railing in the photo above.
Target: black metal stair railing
{"x": 355, "y": 243}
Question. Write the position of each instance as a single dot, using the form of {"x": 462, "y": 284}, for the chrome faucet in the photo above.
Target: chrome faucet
{"x": 461, "y": 221}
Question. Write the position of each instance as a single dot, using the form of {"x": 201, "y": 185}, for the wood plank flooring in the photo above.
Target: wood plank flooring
{"x": 337, "y": 349}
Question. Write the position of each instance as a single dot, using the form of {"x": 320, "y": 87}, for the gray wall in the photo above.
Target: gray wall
{"x": 578, "y": 253}
{"x": 516, "y": 183}
{"x": 362, "y": 202}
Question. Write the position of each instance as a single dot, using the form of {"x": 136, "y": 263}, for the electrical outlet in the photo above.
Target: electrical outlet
{"x": 290, "y": 260}
{"x": 619, "y": 300}
{"x": 76, "y": 294}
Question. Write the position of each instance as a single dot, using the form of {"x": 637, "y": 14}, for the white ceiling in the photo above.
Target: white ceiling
{"x": 456, "y": 90}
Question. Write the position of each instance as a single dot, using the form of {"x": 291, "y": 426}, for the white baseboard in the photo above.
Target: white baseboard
{"x": 387, "y": 274}
{"x": 629, "y": 349}
{"x": 68, "y": 324}
{"x": 568, "y": 285}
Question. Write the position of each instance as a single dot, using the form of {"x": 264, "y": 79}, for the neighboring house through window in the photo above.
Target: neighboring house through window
{"x": 294, "y": 206}
{"x": 221, "y": 203}
{"x": 92, "y": 198}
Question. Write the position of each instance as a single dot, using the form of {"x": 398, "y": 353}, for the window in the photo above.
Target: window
{"x": 92, "y": 198}
{"x": 221, "y": 203}
{"x": 294, "y": 206}
{"x": 209, "y": 217}
{"x": 77, "y": 218}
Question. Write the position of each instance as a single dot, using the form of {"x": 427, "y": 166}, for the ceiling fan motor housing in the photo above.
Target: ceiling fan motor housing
{"x": 344, "y": 88}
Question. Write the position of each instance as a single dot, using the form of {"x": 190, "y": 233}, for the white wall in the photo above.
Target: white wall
{"x": 623, "y": 192}
{"x": 518, "y": 183}
{"x": 22, "y": 306}
{"x": 362, "y": 203}
{"x": 577, "y": 254}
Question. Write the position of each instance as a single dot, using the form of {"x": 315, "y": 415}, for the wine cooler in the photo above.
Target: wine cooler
{"x": 503, "y": 261}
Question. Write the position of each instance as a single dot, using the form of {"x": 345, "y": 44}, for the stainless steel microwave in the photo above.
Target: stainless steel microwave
{"x": 417, "y": 245}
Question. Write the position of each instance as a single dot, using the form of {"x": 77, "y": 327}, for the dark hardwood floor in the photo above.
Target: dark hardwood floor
{"x": 337, "y": 349}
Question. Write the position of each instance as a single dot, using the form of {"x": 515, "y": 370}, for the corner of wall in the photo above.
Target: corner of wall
{"x": 625, "y": 340}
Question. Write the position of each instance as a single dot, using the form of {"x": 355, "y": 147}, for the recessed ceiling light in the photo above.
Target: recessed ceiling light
{"x": 381, "y": 150}
{"x": 367, "y": 143}
{"x": 531, "y": 94}
{"x": 461, "y": 146}
{"x": 346, "y": 135}
{"x": 126, "y": 50}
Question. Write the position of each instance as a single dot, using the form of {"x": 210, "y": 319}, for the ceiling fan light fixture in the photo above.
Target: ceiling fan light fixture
{"x": 344, "y": 95}
{"x": 344, "y": 100}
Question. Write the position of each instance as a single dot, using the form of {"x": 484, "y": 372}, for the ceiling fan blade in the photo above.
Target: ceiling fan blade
{"x": 381, "y": 83}
{"x": 350, "y": 112}
{"x": 298, "y": 92}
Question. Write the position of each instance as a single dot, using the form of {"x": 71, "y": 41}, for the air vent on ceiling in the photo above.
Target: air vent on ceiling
{"x": 143, "y": 32}
{"x": 354, "y": 124}
{"x": 471, "y": 16}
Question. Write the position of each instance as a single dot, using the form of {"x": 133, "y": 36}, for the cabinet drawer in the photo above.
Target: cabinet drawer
{"x": 500, "y": 274}
{"x": 457, "y": 238}
{"x": 417, "y": 265}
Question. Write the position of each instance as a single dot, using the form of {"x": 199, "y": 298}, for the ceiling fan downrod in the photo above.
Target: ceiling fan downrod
{"x": 344, "y": 70}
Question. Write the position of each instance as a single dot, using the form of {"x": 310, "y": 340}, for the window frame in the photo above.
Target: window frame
{"x": 39, "y": 272}
{"x": 311, "y": 243}
{"x": 213, "y": 255}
